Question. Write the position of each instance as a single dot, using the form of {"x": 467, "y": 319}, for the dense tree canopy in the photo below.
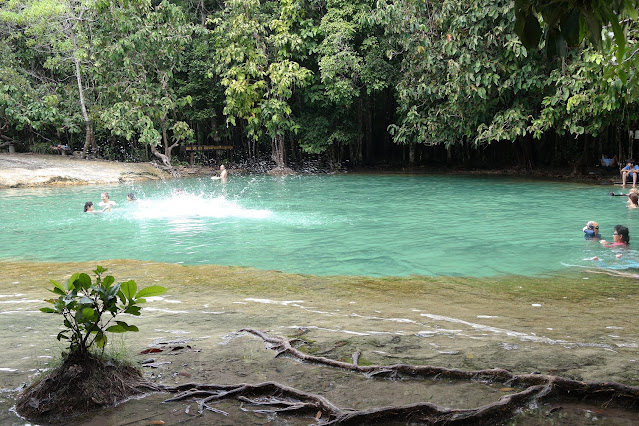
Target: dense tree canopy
{"x": 483, "y": 84}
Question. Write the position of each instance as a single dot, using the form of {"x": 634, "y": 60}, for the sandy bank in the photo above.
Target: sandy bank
{"x": 35, "y": 170}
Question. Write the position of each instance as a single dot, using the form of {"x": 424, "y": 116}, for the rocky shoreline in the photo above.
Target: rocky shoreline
{"x": 29, "y": 170}
{"x": 25, "y": 170}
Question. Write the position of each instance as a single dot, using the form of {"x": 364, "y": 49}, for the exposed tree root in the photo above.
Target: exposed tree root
{"x": 78, "y": 386}
{"x": 284, "y": 399}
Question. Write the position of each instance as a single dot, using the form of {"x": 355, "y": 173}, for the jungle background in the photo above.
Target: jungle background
{"x": 482, "y": 84}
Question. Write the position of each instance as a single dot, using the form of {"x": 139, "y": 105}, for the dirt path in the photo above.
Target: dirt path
{"x": 35, "y": 170}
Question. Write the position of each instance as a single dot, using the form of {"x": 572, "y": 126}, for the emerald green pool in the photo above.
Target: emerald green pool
{"x": 388, "y": 225}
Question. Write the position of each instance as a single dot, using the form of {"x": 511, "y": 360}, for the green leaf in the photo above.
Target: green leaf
{"x": 57, "y": 285}
{"x": 531, "y": 31}
{"x": 71, "y": 281}
{"x": 154, "y": 290}
{"x": 108, "y": 280}
{"x": 56, "y": 290}
{"x": 121, "y": 327}
{"x": 100, "y": 340}
{"x": 570, "y": 28}
{"x": 133, "y": 310}
{"x": 82, "y": 282}
{"x": 129, "y": 289}
{"x": 89, "y": 314}
{"x": 86, "y": 301}
{"x": 49, "y": 310}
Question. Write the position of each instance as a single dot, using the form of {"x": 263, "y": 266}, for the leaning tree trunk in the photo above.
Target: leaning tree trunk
{"x": 89, "y": 141}
{"x": 166, "y": 161}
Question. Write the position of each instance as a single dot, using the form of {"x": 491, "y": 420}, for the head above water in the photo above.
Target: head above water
{"x": 105, "y": 196}
{"x": 623, "y": 233}
{"x": 592, "y": 225}
{"x": 88, "y": 206}
{"x": 634, "y": 198}
{"x": 131, "y": 196}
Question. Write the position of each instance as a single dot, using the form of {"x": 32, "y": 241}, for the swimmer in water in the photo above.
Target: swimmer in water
{"x": 223, "y": 174}
{"x": 88, "y": 208}
{"x": 591, "y": 230}
{"x": 106, "y": 202}
{"x": 621, "y": 237}
{"x": 130, "y": 197}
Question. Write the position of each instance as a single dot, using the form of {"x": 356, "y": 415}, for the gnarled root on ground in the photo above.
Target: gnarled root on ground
{"x": 284, "y": 399}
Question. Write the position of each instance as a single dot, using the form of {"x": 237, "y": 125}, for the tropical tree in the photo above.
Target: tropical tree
{"x": 254, "y": 59}
{"x": 140, "y": 48}
{"x": 62, "y": 29}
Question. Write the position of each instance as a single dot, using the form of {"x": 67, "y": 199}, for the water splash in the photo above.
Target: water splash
{"x": 190, "y": 205}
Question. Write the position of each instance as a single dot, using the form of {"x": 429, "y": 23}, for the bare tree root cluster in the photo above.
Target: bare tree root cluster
{"x": 80, "y": 385}
{"x": 284, "y": 399}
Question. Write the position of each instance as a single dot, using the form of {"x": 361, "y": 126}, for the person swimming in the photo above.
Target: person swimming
{"x": 130, "y": 197}
{"x": 106, "y": 202}
{"x": 88, "y": 208}
{"x": 591, "y": 230}
{"x": 621, "y": 237}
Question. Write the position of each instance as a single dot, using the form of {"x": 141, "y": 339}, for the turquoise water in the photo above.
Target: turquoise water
{"x": 389, "y": 225}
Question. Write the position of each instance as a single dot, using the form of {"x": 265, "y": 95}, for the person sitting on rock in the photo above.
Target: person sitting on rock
{"x": 629, "y": 171}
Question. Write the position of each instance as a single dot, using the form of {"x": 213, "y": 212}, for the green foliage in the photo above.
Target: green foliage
{"x": 89, "y": 308}
{"x": 255, "y": 46}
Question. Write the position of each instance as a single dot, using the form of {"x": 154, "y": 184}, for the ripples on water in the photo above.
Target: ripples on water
{"x": 346, "y": 224}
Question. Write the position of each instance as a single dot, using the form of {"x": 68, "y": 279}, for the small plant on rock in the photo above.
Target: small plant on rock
{"x": 89, "y": 309}
{"x": 86, "y": 379}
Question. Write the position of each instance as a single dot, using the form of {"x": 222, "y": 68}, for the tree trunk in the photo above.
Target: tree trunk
{"x": 89, "y": 141}
{"x": 166, "y": 161}
{"x": 277, "y": 151}
{"x": 165, "y": 142}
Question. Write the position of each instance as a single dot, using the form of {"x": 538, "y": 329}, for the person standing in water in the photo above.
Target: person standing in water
{"x": 223, "y": 174}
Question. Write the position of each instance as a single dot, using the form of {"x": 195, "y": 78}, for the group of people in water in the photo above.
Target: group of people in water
{"x": 620, "y": 235}
{"x": 106, "y": 203}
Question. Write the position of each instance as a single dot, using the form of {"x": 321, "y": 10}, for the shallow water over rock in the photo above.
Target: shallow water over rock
{"x": 566, "y": 325}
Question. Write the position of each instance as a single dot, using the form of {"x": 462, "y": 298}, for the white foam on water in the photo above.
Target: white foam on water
{"x": 166, "y": 311}
{"x": 189, "y": 205}
{"x": 276, "y": 302}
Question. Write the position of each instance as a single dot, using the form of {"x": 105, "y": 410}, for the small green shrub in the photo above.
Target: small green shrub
{"x": 89, "y": 309}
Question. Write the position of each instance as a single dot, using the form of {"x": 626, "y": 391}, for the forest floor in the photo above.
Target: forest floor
{"x": 27, "y": 169}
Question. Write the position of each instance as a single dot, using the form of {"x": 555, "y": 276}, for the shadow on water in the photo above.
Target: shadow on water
{"x": 578, "y": 325}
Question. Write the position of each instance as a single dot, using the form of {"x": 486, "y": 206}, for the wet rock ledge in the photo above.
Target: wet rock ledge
{"x": 24, "y": 170}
